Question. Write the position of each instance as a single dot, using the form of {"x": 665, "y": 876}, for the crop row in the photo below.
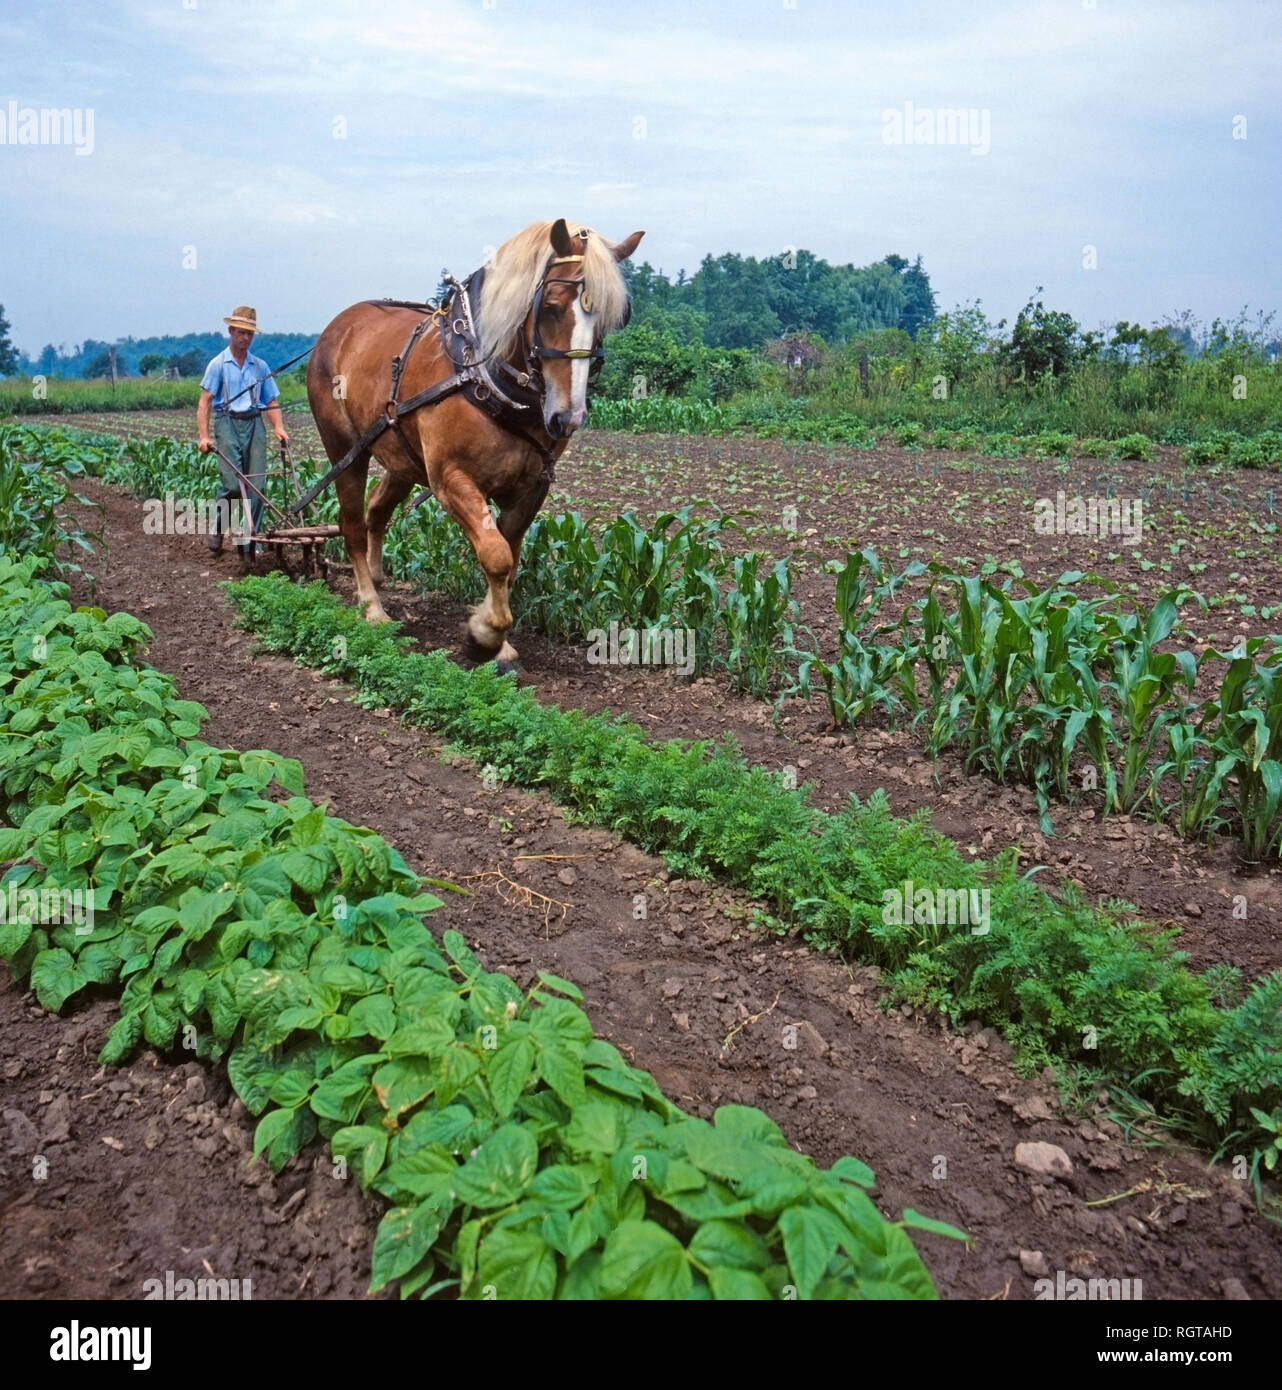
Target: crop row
{"x": 793, "y": 422}
{"x": 37, "y": 477}
{"x": 577, "y": 576}
{"x": 1065, "y": 693}
{"x": 1086, "y": 988}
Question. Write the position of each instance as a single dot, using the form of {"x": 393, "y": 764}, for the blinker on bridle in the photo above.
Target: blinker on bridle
{"x": 539, "y": 351}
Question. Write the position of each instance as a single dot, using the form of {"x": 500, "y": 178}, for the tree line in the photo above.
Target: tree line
{"x": 187, "y": 355}
{"x": 745, "y": 302}
{"x": 731, "y": 301}
{"x": 739, "y": 320}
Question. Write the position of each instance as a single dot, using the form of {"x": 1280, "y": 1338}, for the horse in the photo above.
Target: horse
{"x": 499, "y": 375}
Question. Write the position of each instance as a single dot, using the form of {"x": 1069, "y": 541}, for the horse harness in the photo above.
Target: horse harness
{"x": 510, "y": 404}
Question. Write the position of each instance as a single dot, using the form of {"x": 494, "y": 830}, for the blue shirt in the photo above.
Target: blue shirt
{"x": 225, "y": 379}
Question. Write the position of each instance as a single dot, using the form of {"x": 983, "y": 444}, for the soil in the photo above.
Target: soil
{"x": 913, "y": 505}
{"x": 147, "y": 1164}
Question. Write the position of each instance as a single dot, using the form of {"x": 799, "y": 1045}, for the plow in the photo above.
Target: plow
{"x": 285, "y": 539}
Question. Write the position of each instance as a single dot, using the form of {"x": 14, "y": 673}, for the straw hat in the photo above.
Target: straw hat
{"x": 242, "y": 316}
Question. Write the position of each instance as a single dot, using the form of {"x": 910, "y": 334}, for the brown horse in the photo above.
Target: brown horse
{"x": 533, "y": 319}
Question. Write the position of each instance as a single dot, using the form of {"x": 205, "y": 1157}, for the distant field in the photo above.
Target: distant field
{"x": 1212, "y": 528}
{"x": 70, "y": 395}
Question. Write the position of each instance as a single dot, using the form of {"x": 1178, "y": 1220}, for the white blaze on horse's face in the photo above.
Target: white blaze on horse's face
{"x": 584, "y": 336}
{"x": 561, "y": 416}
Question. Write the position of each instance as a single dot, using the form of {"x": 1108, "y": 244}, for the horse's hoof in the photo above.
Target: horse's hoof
{"x": 473, "y": 650}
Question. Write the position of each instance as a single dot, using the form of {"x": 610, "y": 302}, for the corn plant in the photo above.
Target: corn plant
{"x": 553, "y": 586}
{"x": 427, "y": 548}
{"x": 758, "y": 616}
{"x": 866, "y": 672}
{"x": 575, "y": 577}
{"x": 1069, "y": 709}
{"x": 640, "y": 575}
{"x": 1144, "y": 684}
{"x": 1200, "y": 781}
{"x": 980, "y": 709}
{"x": 861, "y": 678}
{"x": 1024, "y": 694}
{"x": 1244, "y": 725}
{"x": 669, "y": 414}
{"x": 152, "y": 467}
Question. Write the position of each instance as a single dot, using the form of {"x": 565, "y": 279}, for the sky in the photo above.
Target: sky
{"x": 299, "y": 157}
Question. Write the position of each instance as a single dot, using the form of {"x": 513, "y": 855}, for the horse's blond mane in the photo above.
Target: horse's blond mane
{"x": 511, "y": 283}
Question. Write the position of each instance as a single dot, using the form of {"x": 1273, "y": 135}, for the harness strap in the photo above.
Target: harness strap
{"x": 382, "y": 422}
{"x": 474, "y": 380}
{"x": 398, "y": 362}
{"x": 511, "y": 405}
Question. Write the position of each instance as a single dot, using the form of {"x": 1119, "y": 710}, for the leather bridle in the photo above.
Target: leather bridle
{"x": 536, "y": 352}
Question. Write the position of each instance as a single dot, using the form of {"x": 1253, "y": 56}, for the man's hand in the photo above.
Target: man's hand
{"x": 272, "y": 412}
{"x": 202, "y": 420}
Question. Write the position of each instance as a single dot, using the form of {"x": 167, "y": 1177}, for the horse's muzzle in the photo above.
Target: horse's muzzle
{"x": 561, "y": 424}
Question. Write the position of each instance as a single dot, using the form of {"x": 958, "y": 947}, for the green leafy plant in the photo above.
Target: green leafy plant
{"x": 1242, "y": 730}
{"x": 522, "y": 1156}
{"x": 865, "y": 673}
{"x": 1144, "y": 683}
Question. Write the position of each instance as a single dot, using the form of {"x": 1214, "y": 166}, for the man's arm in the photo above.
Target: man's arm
{"x": 272, "y": 412}
{"x": 202, "y": 420}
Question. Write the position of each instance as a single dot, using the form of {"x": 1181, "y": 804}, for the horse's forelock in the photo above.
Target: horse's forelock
{"x": 606, "y": 288}
{"x": 511, "y": 284}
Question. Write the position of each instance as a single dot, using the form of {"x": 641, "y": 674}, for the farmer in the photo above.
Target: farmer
{"x": 241, "y": 390}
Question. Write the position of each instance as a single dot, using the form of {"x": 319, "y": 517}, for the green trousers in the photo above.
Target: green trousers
{"x": 245, "y": 444}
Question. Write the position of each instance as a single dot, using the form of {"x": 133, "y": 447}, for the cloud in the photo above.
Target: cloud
{"x": 762, "y": 129}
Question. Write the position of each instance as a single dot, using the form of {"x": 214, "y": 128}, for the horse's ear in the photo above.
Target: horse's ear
{"x": 627, "y": 246}
{"x": 561, "y": 238}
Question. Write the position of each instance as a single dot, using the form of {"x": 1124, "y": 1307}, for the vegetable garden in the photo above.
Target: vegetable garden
{"x": 520, "y": 1154}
